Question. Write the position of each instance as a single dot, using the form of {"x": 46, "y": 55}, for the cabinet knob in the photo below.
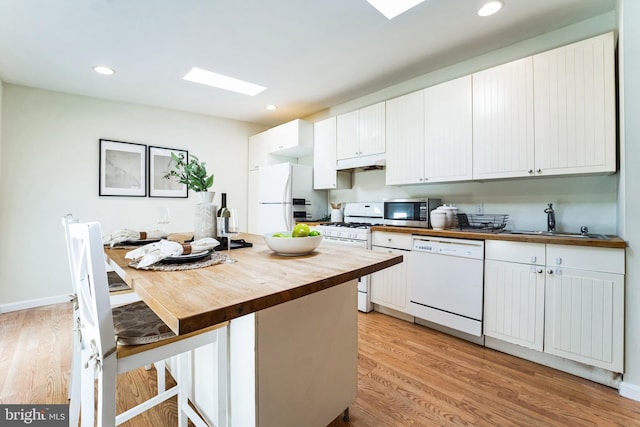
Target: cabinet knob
{"x": 538, "y": 170}
{"x": 530, "y": 171}
{"x": 533, "y": 259}
{"x": 389, "y": 239}
{"x": 558, "y": 260}
{"x": 540, "y": 270}
{"x": 550, "y": 271}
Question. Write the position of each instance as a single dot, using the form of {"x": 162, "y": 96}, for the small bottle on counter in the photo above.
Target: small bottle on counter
{"x": 223, "y": 204}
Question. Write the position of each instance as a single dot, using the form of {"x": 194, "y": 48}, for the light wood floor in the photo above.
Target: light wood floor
{"x": 408, "y": 376}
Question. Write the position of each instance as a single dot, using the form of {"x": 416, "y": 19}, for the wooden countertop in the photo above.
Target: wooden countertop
{"x": 194, "y": 299}
{"x": 611, "y": 242}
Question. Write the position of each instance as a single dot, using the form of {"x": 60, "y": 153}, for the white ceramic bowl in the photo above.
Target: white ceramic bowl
{"x": 292, "y": 246}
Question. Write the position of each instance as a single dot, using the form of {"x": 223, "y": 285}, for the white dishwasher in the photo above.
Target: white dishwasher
{"x": 447, "y": 282}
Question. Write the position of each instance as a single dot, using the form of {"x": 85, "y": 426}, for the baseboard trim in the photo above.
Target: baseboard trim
{"x": 33, "y": 303}
{"x": 630, "y": 391}
{"x": 599, "y": 375}
{"x": 393, "y": 313}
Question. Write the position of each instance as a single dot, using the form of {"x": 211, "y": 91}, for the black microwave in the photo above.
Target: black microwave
{"x": 410, "y": 212}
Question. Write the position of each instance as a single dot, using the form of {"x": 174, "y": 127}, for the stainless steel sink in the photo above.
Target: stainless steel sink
{"x": 556, "y": 234}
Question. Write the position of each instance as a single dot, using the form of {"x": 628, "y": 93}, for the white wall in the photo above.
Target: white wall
{"x": 50, "y": 168}
{"x": 629, "y": 55}
{"x": 578, "y": 201}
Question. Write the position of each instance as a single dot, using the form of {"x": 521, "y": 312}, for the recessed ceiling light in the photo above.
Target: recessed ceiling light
{"x": 198, "y": 75}
{"x": 490, "y": 8}
{"x": 393, "y": 8}
{"x": 271, "y": 107}
{"x": 100, "y": 69}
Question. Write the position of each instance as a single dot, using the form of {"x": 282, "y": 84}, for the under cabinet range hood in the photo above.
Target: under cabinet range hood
{"x": 372, "y": 161}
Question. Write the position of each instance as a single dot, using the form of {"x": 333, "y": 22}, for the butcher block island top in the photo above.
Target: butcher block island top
{"x": 190, "y": 300}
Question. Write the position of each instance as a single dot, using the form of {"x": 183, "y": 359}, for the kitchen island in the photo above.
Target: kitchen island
{"x": 291, "y": 344}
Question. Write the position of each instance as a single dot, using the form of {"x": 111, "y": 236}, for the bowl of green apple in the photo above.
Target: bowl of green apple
{"x": 299, "y": 241}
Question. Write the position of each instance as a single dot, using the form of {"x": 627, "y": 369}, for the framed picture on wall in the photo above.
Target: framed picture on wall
{"x": 160, "y": 163}
{"x": 123, "y": 169}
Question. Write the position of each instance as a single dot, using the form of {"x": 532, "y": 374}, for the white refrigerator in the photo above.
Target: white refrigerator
{"x": 286, "y": 195}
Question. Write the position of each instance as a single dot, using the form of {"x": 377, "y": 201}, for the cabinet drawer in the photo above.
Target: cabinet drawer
{"x": 520, "y": 252}
{"x": 608, "y": 260}
{"x": 392, "y": 240}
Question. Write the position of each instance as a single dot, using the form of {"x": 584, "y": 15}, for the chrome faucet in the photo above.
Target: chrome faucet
{"x": 551, "y": 218}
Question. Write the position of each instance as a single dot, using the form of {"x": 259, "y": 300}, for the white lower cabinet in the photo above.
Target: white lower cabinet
{"x": 390, "y": 287}
{"x": 584, "y": 305}
{"x": 564, "y": 300}
{"x": 514, "y": 292}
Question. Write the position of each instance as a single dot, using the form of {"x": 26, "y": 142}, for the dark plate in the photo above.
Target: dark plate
{"x": 235, "y": 244}
{"x": 182, "y": 259}
{"x": 139, "y": 242}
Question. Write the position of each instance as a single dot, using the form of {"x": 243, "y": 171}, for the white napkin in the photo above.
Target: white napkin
{"x": 124, "y": 235}
{"x": 154, "y": 252}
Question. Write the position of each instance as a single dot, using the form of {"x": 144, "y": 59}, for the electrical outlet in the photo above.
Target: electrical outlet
{"x": 479, "y": 209}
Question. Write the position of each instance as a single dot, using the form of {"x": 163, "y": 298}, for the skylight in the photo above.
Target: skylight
{"x": 393, "y": 8}
{"x": 198, "y": 75}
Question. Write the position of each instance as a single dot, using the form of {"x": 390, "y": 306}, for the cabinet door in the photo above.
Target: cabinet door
{"x": 405, "y": 139}
{"x": 575, "y": 108}
{"x": 348, "y": 135}
{"x": 503, "y": 135}
{"x": 258, "y": 150}
{"x": 324, "y": 154}
{"x": 292, "y": 139}
{"x": 253, "y": 225}
{"x": 584, "y": 317}
{"x": 448, "y": 131}
{"x": 389, "y": 287}
{"x": 372, "y": 129}
{"x": 514, "y": 303}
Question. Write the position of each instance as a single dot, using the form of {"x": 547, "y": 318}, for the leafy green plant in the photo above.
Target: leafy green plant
{"x": 192, "y": 173}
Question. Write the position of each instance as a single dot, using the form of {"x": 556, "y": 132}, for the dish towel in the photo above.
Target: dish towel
{"x": 154, "y": 252}
{"x": 125, "y": 235}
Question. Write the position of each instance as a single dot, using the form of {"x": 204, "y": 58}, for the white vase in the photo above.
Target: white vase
{"x": 205, "y": 216}
{"x": 205, "y": 196}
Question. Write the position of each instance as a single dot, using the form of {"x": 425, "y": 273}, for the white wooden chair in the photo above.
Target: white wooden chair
{"x": 103, "y": 358}
{"x": 118, "y": 297}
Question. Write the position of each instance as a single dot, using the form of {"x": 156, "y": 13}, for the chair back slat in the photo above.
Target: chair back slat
{"x": 66, "y": 220}
{"x": 92, "y": 288}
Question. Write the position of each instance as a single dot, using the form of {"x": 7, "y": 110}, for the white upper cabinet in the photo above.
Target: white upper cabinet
{"x": 325, "y": 176}
{"x": 429, "y": 135}
{"x": 448, "y": 131}
{"x": 503, "y": 135}
{"x": 292, "y": 139}
{"x": 575, "y": 122}
{"x": 361, "y": 132}
{"x": 405, "y": 139}
{"x": 281, "y": 144}
{"x": 550, "y": 114}
{"x": 258, "y": 150}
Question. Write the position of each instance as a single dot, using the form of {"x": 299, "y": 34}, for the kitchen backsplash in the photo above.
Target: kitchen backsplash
{"x": 577, "y": 200}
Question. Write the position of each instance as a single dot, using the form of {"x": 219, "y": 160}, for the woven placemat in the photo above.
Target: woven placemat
{"x": 214, "y": 258}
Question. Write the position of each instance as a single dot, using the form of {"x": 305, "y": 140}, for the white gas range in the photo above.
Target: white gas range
{"x": 355, "y": 231}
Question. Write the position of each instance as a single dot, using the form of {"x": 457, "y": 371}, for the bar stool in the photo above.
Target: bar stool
{"x": 120, "y": 294}
{"x": 103, "y": 358}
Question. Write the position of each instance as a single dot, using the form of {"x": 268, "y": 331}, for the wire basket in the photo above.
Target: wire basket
{"x": 483, "y": 222}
